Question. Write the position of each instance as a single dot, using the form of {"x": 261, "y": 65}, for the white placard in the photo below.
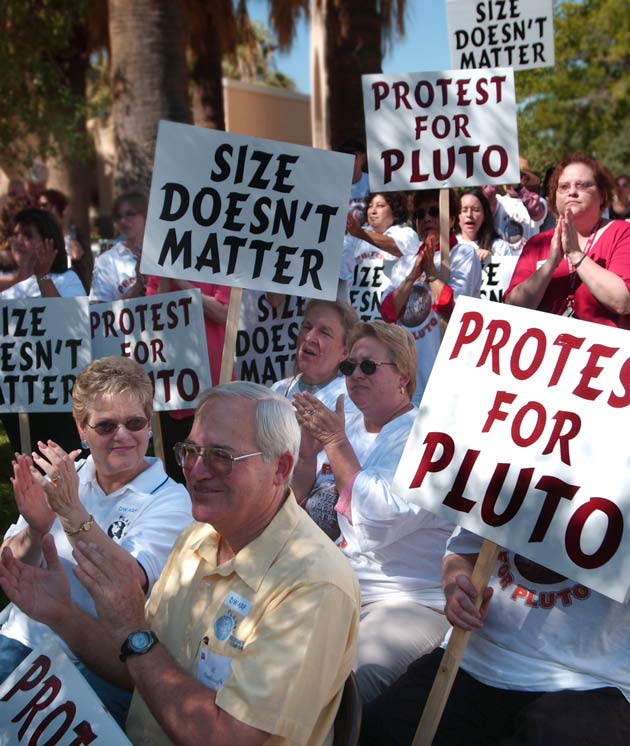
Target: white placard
{"x": 501, "y": 33}
{"x": 246, "y": 212}
{"x": 496, "y": 274}
{"x": 267, "y": 338}
{"x": 44, "y": 343}
{"x": 166, "y": 335}
{"x": 434, "y": 130}
{"x": 46, "y": 700}
{"x": 520, "y": 438}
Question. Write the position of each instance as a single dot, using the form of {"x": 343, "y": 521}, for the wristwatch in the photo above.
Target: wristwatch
{"x": 139, "y": 642}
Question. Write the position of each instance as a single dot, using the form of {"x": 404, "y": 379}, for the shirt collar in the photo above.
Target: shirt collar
{"x": 252, "y": 563}
{"x": 148, "y": 481}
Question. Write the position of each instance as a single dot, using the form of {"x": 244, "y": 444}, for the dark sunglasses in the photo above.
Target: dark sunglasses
{"x": 107, "y": 427}
{"x": 216, "y": 460}
{"x": 421, "y": 212}
{"x": 347, "y": 367}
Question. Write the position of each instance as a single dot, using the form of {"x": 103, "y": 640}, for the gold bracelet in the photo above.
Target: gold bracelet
{"x": 85, "y": 526}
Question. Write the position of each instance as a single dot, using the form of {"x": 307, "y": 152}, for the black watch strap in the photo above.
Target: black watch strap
{"x": 140, "y": 641}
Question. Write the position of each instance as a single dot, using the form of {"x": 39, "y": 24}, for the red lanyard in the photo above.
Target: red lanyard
{"x": 574, "y": 278}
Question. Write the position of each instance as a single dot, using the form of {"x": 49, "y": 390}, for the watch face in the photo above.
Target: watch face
{"x": 139, "y": 641}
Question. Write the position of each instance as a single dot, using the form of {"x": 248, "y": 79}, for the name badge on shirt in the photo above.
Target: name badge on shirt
{"x": 212, "y": 669}
{"x": 237, "y": 603}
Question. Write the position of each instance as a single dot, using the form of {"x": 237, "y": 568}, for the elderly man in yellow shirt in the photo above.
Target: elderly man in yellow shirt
{"x": 250, "y": 632}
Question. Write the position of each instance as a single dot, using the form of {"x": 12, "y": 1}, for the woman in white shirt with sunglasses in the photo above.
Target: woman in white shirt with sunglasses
{"x": 395, "y": 548}
{"x": 117, "y": 499}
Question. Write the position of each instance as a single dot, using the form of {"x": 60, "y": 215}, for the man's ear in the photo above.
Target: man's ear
{"x": 285, "y": 466}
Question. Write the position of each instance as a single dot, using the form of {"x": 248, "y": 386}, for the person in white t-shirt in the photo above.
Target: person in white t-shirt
{"x": 39, "y": 253}
{"x": 521, "y": 211}
{"x": 117, "y": 272}
{"x": 476, "y": 226}
{"x": 548, "y": 662}
{"x": 321, "y": 346}
{"x": 421, "y": 295}
{"x": 395, "y": 548}
{"x": 372, "y": 251}
{"x": 117, "y": 499}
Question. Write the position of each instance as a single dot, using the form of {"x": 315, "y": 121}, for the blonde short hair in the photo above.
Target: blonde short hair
{"x": 110, "y": 377}
{"x": 400, "y": 344}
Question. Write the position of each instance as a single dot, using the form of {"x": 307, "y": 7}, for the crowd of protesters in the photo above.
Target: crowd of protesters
{"x": 355, "y": 389}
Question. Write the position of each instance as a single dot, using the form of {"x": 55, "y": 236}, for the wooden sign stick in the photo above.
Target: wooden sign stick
{"x": 158, "y": 439}
{"x": 231, "y": 328}
{"x": 434, "y": 707}
{"x": 25, "y": 433}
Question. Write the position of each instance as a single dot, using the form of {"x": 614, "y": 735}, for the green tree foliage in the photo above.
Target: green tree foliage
{"x": 39, "y": 111}
{"x": 583, "y": 103}
{"x": 253, "y": 60}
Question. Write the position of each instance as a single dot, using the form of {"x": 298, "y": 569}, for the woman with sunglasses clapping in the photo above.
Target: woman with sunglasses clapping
{"x": 420, "y": 295}
{"x": 117, "y": 499}
{"x": 395, "y": 548}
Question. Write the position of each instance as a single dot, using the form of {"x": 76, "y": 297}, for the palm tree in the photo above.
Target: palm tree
{"x": 352, "y": 37}
{"x": 149, "y": 81}
{"x": 213, "y": 32}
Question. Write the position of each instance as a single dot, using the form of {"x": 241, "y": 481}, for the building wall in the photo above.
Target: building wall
{"x": 272, "y": 113}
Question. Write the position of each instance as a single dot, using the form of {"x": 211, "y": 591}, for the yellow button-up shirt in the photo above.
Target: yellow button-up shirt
{"x": 273, "y": 630}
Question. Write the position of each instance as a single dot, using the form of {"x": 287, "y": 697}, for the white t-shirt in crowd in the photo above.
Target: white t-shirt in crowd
{"x": 114, "y": 273}
{"x": 544, "y": 632}
{"x": 419, "y": 318}
{"x": 67, "y": 283}
{"x": 367, "y": 271}
{"x": 395, "y": 548}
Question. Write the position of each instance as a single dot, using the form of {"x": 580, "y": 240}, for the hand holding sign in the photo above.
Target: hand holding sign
{"x": 461, "y": 594}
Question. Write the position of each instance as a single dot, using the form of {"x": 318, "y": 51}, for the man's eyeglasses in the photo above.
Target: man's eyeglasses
{"x": 127, "y": 214}
{"x": 216, "y": 460}
{"x": 107, "y": 427}
{"x": 347, "y": 367}
{"x": 580, "y": 186}
{"x": 421, "y": 212}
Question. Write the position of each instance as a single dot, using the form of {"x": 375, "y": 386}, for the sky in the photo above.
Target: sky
{"x": 424, "y": 48}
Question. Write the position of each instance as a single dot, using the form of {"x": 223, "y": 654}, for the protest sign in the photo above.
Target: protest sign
{"x": 435, "y": 130}
{"x": 370, "y": 279}
{"x": 496, "y": 273}
{"x": 501, "y": 33}
{"x": 165, "y": 334}
{"x": 45, "y": 700}
{"x": 246, "y": 212}
{"x": 267, "y": 338}
{"x": 518, "y": 439}
{"x": 44, "y": 343}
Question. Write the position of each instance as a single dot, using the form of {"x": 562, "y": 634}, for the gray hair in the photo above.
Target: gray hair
{"x": 277, "y": 429}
